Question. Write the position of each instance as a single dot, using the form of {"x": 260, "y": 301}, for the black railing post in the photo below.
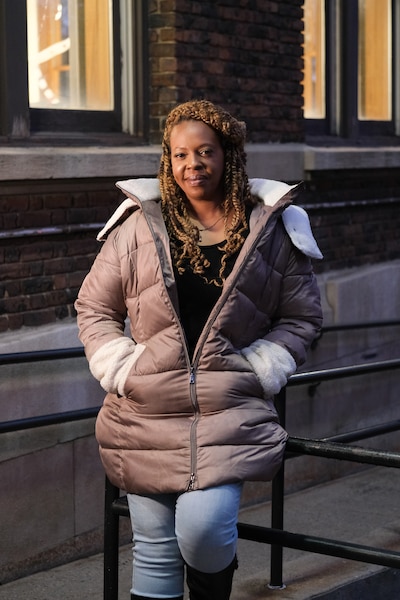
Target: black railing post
{"x": 277, "y": 505}
{"x": 111, "y": 543}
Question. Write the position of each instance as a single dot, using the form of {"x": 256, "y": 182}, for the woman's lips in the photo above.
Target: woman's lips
{"x": 195, "y": 180}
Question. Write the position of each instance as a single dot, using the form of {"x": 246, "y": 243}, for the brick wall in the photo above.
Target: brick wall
{"x": 243, "y": 55}
{"x": 42, "y": 272}
{"x": 355, "y": 216}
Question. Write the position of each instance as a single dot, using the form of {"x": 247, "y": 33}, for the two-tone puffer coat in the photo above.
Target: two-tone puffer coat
{"x": 171, "y": 422}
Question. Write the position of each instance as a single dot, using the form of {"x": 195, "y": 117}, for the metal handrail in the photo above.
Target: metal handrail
{"x": 53, "y": 419}
{"x": 355, "y": 327}
{"x": 341, "y": 372}
{"x": 361, "y": 325}
{"x": 327, "y": 450}
{"x": 49, "y": 419}
{"x": 41, "y": 355}
{"x": 318, "y": 545}
{"x": 339, "y": 451}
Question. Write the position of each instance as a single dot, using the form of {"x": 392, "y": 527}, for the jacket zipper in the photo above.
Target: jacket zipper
{"x": 192, "y": 378}
{"x": 192, "y": 370}
{"x": 193, "y": 430}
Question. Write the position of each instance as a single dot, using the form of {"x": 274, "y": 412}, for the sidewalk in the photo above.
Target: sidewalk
{"x": 362, "y": 508}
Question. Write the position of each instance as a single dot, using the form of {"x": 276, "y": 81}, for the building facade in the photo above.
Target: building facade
{"x": 85, "y": 88}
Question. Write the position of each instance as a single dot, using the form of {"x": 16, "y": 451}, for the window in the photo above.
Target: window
{"x": 350, "y": 78}
{"x": 314, "y": 59}
{"x": 70, "y": 54}
{"x": 374, "y": 60}
{"x": 61, "y": 61}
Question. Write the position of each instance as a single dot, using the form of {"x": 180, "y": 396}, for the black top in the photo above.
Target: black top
{"x": 197, "y": 296}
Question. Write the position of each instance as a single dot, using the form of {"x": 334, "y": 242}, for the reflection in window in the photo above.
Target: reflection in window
{"x": 314, "y": 59}
{"x": 70, "y": 54}
{"x": 374, "y": 60}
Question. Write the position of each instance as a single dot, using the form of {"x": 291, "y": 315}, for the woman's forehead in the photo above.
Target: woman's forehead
{"x": 192, "y": 131}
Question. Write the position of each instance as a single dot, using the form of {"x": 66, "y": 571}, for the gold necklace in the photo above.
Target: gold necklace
{"x": 210, "y": 226}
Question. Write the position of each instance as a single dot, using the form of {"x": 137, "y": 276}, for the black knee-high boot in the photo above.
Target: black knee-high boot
{"x": 211, "y": 586}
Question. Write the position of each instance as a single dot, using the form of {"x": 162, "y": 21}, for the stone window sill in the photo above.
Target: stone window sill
{"x": 287, "y": 162}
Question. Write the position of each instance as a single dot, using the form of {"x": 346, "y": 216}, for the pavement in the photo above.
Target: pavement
{"x": 361, "y": 508}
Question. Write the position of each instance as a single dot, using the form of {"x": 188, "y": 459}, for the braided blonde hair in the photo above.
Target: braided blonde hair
{"x": 183, "y": 234}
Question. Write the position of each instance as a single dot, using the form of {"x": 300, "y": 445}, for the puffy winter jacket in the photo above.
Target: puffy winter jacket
{"x": 169, "y": 423}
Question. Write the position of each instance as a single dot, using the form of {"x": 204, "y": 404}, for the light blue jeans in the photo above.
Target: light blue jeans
{"x": 197, "y": 528}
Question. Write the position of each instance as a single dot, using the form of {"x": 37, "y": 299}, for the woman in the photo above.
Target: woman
{"x": 222, "y": 306}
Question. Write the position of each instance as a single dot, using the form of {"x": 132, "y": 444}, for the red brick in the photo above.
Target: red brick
{"x": 39, "y": 317}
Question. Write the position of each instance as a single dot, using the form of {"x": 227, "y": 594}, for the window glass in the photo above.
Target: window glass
{"x": 314, "y": 59}
{"x": 374, "y": 60}
{"x": 70, "y": 54}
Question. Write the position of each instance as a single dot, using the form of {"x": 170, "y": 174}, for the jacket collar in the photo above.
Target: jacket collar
{"x": 295, "y": 219}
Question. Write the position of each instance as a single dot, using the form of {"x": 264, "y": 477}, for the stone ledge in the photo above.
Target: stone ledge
{"x": 319, "y": 159}
{"x": 34, "y": 163}
{"x": 287, "y": 162}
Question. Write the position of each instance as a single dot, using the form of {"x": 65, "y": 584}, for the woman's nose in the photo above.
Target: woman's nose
{"x": 194, "y": 160}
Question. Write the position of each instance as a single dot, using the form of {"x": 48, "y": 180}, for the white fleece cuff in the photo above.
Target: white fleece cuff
{"x": 111, "y": 364}
{"x": 272, "y": 364}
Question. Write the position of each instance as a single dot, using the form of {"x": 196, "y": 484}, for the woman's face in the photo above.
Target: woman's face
{"x": 198, "y": 161}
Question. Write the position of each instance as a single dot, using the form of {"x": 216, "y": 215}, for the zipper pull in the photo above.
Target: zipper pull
{"x": 192, "y": 479}
{"x": 192, "y": 380}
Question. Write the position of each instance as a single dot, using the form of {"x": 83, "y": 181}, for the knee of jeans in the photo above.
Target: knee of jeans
{"x": 206, "y": 527}
{"x": 207, "y": 547}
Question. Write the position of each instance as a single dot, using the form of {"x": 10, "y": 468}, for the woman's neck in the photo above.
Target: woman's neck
{"x": 210, "y": 220}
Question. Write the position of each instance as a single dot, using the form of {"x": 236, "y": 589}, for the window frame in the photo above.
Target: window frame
{"x": 20, "y": 122}
{"x": 341, "y": 48}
